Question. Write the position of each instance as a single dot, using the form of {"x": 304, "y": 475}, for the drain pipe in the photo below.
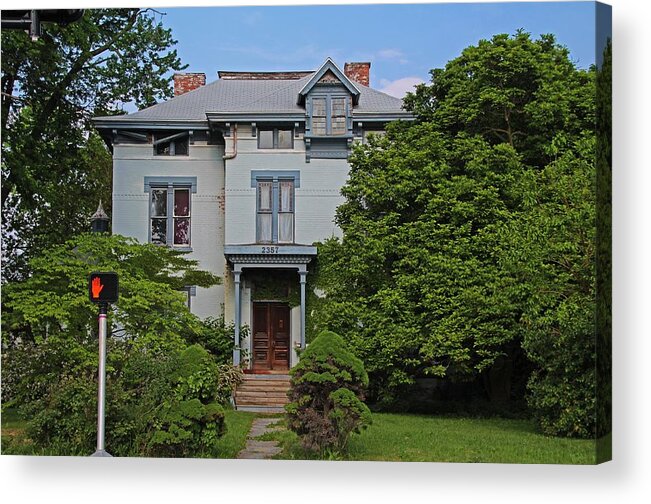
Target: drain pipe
{"x": 234, "y": 153}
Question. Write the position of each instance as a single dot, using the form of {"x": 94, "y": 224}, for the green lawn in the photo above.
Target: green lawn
{"x": 420, "y": 438}
{"x": 397, "y": 437}
{"x": 238, "y": 424}
{"x": 13, "y": 440}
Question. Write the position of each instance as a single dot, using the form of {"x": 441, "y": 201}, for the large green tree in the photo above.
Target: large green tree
{"x": 54, "y": 165}
{"x": 438, "y": 271}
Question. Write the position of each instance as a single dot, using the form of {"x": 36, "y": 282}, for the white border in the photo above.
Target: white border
{"x": 627, "y": 479}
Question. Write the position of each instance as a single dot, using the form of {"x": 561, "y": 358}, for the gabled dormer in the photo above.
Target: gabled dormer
{"x": 329, "y": 98}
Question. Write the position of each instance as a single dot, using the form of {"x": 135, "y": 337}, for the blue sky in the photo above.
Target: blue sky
{"x": 403, "y": 42}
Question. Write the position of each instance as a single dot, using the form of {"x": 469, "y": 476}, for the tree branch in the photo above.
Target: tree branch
{"x": 55, "y": 98}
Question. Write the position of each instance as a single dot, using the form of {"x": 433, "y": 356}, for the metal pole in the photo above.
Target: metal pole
{"x": 101, "y": 394}
{"x": 238, "y": 316}
{"x": 303, "y": 275}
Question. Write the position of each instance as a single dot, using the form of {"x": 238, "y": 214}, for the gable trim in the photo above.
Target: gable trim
{"x": 328, "y": 65}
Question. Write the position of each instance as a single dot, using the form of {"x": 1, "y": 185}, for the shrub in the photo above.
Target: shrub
{"x": 189, "y": 421}
{"x": 161, "y": 394}
{"x": 157, "y": 403}
{"x": 228, "y": 377}
{"x": 217, "y": 336}
{"x": 327, "y": 389}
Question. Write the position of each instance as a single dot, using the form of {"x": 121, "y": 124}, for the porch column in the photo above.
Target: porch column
{"x": 238, "y": 316}
{"x": 303, "y": 274}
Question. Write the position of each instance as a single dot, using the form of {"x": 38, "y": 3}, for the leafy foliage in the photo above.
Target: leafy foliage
{"x": 162, "y": 394}
{"x": 550, "y": 253}
{"x": 468, "y": 235}
{"x": 604, "y": 238}
{"x": 512, "y": 90}
{"x": 327, "y": 389}
{"x": 54, "y": 300}
{"x": 157, "y": 403}
{"x": 217, "y": 336}
{"x": 412, "y": 284}
{"x": 189, "y": 421}
{"x": 54, "y": 165}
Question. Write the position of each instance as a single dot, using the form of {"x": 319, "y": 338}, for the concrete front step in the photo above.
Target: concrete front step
{"x": 261, "y": 401}
{"x": 281, "y": 394}
{"x": 266, "y": 376}
{"x": 262, "y": 388}
{"x": 263, "y": 393}
{"x": 261, "y": 409}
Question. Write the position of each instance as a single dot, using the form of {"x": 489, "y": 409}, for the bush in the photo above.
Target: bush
{"x": 157, "y": 403}
{"x": 217, "y": 336}
{"x": 228, "y": 377}
{"x": 189, "y": 421}
{"x": 162, "y": 394}
{"x": 327, "y": 389}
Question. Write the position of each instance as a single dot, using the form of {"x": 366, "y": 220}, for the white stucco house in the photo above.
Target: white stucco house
{"x": 245, "y": 174}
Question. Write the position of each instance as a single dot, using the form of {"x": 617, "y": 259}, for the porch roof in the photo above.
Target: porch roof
{"x": 269, "y": 255}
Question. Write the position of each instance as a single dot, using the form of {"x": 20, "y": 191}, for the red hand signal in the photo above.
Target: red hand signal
{"x": 96, "y": 287}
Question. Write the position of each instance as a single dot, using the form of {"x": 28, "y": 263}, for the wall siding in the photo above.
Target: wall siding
{"x": 224, "y": 207}
{"x": 316, "y": 199}
{"x": 132, "y": 163}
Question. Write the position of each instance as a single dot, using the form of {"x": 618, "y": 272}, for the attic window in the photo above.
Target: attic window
{"x": 171, "y": 144}
{"x": 275, "y": 138}
{"x": 319, "y": 117}
{"x": 330, "y": 115}
{"x": 338, "y": 116}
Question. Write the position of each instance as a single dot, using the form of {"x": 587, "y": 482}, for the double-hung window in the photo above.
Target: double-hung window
{"x": 330, "y": 115}
{"x": 265, "y": 211}
{"x": 319, "y": 116}
{"x": 285, "y": 211}
{"x": 170, "y": 213}
{"x": 275, "y": 210}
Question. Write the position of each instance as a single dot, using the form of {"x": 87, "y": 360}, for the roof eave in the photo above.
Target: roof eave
{"x": 120, "y": 122}
{"x": 255, "y": 116}
{"x": 383, "y": 116}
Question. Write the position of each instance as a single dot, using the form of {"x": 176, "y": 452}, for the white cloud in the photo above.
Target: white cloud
{"x": 399, "y": 87}
{"x": 389, "y": 53}
{"x": 392, "y": 54}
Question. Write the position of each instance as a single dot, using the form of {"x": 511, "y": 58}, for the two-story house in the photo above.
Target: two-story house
{"x": 245, "y": 173}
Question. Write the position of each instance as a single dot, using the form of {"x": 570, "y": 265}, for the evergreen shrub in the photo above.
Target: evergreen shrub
{"x": 327, "y": 393}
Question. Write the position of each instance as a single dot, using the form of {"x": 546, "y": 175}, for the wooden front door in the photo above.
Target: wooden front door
{"x": 270, "y": 336}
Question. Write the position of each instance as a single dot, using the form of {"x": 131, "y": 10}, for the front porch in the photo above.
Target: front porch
{"x": 277, "y": 329}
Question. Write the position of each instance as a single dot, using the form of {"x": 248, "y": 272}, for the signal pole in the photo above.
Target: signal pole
{"x": 101, "y": 393}
{"x": 103, "y": 289}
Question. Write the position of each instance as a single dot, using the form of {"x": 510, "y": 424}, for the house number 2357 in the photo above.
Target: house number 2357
{"x": 269, "y": 250}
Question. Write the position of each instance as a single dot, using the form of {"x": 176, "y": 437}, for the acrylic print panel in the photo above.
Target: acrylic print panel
{"x": 411, "y": 233}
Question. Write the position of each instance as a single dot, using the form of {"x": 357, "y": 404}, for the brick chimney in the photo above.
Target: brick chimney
{"x": 359, "y": 72}
{"x": 184, "y": 82}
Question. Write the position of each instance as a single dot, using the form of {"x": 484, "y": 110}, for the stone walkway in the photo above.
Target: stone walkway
{"x": 256, "y": 449}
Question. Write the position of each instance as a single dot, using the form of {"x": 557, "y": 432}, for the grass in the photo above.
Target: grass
{"x": 238, "y": 424}
{"x": 13, "y": 441}
{"x": 393, "y": 437}
{"x": 420, "y": 438}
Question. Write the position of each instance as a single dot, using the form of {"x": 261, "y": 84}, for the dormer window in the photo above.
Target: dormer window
{"x": 319, "y": 117}
{"x": 330, "y": 115}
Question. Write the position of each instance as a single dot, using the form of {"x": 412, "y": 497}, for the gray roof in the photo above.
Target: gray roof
{"x": 250, "y": 97}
